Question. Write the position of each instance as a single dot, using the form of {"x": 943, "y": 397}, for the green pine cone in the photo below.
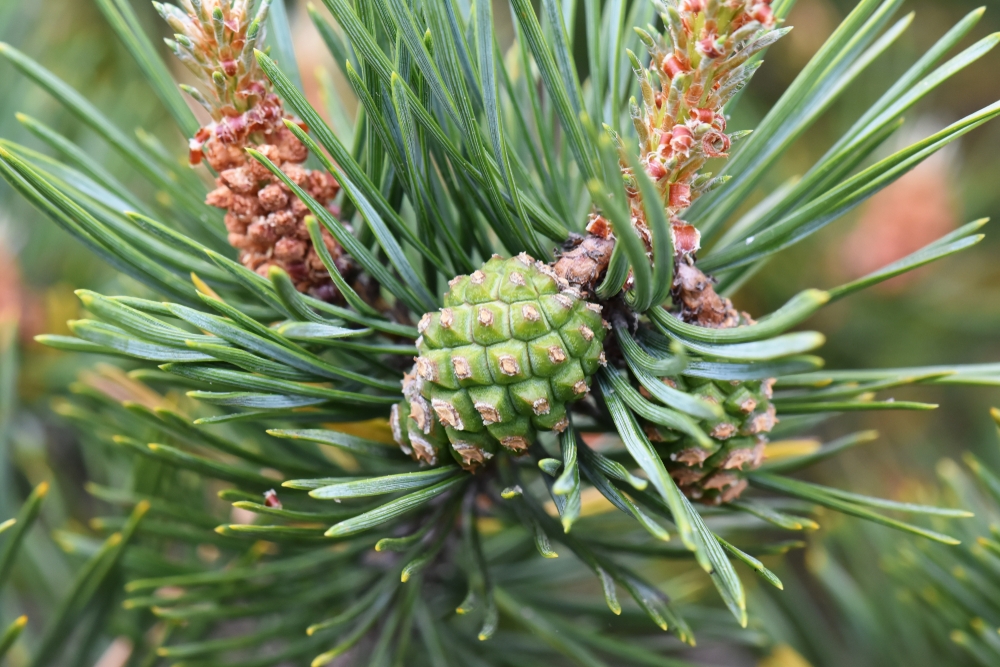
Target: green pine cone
{"x": 511, "y": 347}
{"x": 715, "y": 475}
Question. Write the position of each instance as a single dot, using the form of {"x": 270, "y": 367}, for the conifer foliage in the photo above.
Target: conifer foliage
{"x": 500, "y": 298}
{"x": 939, "y": 601}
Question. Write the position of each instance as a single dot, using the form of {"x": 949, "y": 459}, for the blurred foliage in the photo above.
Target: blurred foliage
{"x": 951, "y": 314}
{"x": 862, "y": 586}
{"x": 40, "y": 265}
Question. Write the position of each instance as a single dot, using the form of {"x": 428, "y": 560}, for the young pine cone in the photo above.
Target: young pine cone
{"x": 717, "y": 474}
{"x": 513, "y": 345}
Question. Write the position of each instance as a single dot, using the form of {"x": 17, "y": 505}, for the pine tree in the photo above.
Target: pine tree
{"x": 489, "y": 304}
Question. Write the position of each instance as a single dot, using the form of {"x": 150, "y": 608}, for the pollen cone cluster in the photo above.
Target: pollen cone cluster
{"x": 513, "y": 344}
{"x": 265, "y": 221}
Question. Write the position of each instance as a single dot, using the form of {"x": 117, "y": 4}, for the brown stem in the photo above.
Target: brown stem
{"x": 694, "y": 293}
{"x": 585, "y": 262}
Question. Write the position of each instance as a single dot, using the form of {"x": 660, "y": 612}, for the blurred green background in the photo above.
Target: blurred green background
{"x": 949, "y": 313}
